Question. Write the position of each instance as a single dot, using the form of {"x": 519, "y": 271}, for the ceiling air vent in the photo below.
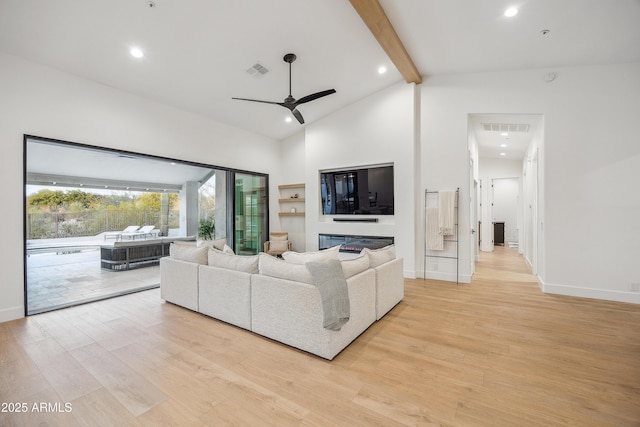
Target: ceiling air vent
{"x": 505, "y": 127}
{"x": 257, "y": 70}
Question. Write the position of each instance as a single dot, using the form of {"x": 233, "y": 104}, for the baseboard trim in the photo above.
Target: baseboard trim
{"x": 602, "y": 294}
{"x": 407, "y": 274}
{"x": 11, "y": 314}
{"x": 447, "y": 277}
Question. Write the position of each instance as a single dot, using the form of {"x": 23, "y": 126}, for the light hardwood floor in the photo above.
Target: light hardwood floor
{"x": 496, "y": 352}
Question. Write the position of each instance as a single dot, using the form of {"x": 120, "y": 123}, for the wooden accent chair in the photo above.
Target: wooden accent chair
{"x": 278, "y": 243}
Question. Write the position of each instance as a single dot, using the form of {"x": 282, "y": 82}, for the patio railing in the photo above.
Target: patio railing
{"x": 51, "y": 225}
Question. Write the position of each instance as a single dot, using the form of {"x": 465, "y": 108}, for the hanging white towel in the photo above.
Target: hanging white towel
{"x": 435, "y": 240}
{"x": 446, "y": 210}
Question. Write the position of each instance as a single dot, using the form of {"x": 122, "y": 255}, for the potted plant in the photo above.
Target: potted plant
{"x": 207, "y": 229}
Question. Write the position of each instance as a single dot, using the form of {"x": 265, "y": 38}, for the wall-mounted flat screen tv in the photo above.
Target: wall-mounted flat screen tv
{"x": 358, "y": 191}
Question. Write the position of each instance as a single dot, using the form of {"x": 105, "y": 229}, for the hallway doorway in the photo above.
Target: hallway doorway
{"x": 503, "y": 151}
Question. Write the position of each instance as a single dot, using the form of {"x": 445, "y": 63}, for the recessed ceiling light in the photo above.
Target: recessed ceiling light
{"x": 504, "y": 134}
{"x": 136, "y": 52}
{"x": 382, "y": 69}
{"x": 512, "y": 11}
{"x": 287, "y": 119}
{"x": 503, "y": 145}
{"x": 503, "y": 154}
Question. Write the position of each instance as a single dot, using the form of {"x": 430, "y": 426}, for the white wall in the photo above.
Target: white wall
{"x": 378, "y": 129}
{"x": 292, "y": 153}
{"x": 44, "y": 102}
{"x": 590, "y": 203}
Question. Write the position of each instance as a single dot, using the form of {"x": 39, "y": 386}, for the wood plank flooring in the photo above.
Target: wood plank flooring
{"x": 496, "y": 352}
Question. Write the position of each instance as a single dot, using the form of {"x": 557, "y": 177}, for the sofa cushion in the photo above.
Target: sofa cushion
{"x": 247, "y": 264}
{"x": 353, "y": 266}
{"x": 304, "y": 257}
{"x": 380, "y": 256}
{"x": 188, "y": 253}
{"x": 279, "y": 245}
{"x": 227, "y": 250}
{"x": 185, "y": 242}
{"x": 218, "y": 244}
{"x": 274, "y": 267}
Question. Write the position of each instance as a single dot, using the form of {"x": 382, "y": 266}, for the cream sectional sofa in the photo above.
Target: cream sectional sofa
{"x": 277, "y": 298}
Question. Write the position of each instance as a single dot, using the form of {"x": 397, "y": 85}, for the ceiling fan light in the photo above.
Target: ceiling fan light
{"x": 511, "y": 12}
{"x": 136, "y": 52}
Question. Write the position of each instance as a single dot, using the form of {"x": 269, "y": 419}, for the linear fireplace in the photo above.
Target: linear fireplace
{"x": 351, "y": 243}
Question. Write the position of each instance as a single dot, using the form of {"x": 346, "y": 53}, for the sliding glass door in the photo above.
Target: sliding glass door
{"x": 251, "y": 216}
{"x": 80, "y": 199}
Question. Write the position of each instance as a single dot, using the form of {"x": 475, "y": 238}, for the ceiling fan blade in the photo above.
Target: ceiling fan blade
{"x": 298, "y": 116}
{"x": 257, "y": 100}
{"x": 315, "y": 96}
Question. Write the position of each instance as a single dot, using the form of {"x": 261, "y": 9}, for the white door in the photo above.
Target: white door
{"x": 505, "y": 206}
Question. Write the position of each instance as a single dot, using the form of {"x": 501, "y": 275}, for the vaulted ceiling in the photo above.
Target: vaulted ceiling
{"x": 197, "y": 52}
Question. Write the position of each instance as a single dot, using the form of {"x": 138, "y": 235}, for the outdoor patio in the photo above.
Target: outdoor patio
{"x": 63, "y": 272}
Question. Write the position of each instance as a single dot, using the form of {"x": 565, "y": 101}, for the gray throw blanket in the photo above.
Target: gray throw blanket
{"x": 329, "y": 279}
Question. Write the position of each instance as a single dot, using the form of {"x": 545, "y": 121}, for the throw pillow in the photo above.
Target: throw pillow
{"x": 248, "y": 264}
{"x": 228, "y": 250}
{"x": 279, "y": 245}
{"x": 351, "y": 267}
{"x": 218, "y": 244}
{"x": 278, "y": 237}
{"x": 274, "y": 267}
{"x": 380, "y": 256}
{"x": 188, "y": 253}
{"x": 304, "y": 257}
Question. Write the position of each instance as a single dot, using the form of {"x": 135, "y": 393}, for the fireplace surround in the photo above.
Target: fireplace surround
{"x": 353, "y": 243}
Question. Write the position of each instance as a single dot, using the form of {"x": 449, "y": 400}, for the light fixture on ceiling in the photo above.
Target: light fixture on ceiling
{"x": 288, "y": 119}
{"x": 382, "y": 69}
{"x": 503, "y": 154}
{"x": 511, "y": 12}
{"x": 136, "y": 52}
{"x": 504, "y": 134}
{"x": 503, "y": 145}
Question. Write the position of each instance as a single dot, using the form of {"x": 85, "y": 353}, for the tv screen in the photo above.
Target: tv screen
{"x": 357, "y": 191}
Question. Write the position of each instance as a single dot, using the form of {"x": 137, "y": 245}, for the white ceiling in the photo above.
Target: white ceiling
{"x": 197, "y": 51}
{"x": 504, "y": 133}
{"x": 75, "y": 166}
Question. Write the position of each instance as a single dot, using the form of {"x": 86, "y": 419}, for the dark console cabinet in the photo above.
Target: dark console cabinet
{"x": 498, "y": 233}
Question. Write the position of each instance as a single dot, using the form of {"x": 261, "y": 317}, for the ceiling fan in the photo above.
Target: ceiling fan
{"x": 290, "y": 102}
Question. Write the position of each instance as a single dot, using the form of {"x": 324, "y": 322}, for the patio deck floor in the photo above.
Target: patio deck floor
{"x": 62, "y": 272}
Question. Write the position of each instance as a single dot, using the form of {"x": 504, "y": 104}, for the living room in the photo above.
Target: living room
{"x": 589, "y": 201}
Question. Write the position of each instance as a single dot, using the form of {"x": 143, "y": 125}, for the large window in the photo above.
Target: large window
{"x": 79, "y": 199}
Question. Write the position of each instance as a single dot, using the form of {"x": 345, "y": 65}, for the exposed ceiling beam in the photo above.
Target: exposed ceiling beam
{"x": 376, "y": 19}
